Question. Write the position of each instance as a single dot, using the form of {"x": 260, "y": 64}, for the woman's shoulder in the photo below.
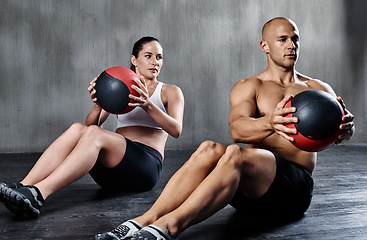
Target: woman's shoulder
{"x": 170, "y": 88}
{"x": 170, "y": 91}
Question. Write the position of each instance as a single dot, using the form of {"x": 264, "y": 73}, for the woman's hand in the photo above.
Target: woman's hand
{"x": 92, "y": 90}
{"x": 347, "y": 124}
{"x": 142, "y": 100}
{"x": 97, "y": 115}
{"x": 278, "y": 119}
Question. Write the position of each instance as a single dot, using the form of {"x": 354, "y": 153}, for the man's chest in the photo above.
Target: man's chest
{"x": 270, "y": 95}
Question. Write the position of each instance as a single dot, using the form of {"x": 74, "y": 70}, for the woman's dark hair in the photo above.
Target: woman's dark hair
{"x": 138, "y": 46}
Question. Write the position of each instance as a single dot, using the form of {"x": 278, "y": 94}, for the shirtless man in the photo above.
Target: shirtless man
{"x": 270, "y": 175}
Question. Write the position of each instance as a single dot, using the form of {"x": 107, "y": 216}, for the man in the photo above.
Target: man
{"x": 269, "y": 176}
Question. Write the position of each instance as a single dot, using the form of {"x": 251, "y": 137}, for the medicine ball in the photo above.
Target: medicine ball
{"x": 113, "y": 87}
{"x": 319, "y": 117}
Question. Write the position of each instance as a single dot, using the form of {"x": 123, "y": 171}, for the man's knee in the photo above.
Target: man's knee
{"x": 208, "y": 151}
{"x": 237, "y": 156}
{"x": 211, "y": 148}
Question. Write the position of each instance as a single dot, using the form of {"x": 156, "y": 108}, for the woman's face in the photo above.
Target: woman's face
{"x": 149, "y": 61}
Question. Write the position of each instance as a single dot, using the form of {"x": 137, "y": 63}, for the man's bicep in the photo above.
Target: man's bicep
{"x": 243, "y": 99}
{"x": 244, "y": 109}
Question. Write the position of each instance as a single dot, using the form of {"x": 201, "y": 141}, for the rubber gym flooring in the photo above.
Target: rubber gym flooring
{"x": 338, "y": 209}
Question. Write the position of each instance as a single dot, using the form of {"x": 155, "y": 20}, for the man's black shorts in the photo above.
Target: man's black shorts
{"x": 289, "y": 194}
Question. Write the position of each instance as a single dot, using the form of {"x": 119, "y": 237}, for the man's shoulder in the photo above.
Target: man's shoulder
{"x": 312, "y": 82}
{"x": 303, "y": 77}
{"x": 246, "y": 87}
{"x": 251, "y": 81}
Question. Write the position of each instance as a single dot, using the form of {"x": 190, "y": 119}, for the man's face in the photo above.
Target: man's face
{"x": 283, "y": 43}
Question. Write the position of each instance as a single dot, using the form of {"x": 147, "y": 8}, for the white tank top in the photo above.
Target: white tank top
{"x": 138, "y": 117}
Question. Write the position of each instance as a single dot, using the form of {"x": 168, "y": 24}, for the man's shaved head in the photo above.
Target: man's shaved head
{"x": 274, "y": 22}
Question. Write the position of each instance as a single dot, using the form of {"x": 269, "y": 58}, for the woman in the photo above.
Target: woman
{"x": 128, "y": 160}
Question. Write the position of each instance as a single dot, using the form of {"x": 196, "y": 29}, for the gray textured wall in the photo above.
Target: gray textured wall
{"x": 50, "y": 50}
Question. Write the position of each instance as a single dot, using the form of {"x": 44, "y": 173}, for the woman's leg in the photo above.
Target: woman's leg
{"x": 184, "y": 181}
{"x": 96, "y": 143}
{"x": 55, "y": 154}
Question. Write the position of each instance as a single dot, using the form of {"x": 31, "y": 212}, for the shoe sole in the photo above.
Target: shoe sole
{"x": 17, "y": 203}
{"x": 14, "y": 209}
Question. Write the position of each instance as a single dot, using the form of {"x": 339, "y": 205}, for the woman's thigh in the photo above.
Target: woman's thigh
{"x": 138, "y": 170}
{"x": 111, "y": 146}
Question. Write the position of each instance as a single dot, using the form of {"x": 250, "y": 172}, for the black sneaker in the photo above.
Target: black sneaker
{"x": 151, "y": 232}
{"x": 10, "y": 185}
{"x": 26, "y": 199}
{"x": 123, "y": 231}
{"x": 4, "y": 188}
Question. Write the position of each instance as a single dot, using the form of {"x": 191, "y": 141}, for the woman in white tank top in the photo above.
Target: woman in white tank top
{"x": 128, "y": 159}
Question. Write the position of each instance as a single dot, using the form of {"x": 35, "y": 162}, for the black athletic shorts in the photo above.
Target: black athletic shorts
{"x": 289, "y": 194}
{"x": 139, "y": 169}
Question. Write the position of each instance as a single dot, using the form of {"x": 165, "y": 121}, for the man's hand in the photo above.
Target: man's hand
{"x": 347, "y": 124}
{"x": 278, "y": 119}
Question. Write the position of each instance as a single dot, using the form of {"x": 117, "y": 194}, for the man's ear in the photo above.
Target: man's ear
{"x": 264, "y": 46}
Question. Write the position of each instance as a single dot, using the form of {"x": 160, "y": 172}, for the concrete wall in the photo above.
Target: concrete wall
{"x": 50, "y": 50}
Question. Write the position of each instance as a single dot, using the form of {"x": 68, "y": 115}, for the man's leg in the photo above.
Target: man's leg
{"x": 253, "y": 170}
{"x": 184, "y": 181}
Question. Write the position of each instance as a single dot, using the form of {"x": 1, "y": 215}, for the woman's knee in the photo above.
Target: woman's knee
{"x": 92, "y": 131}
{"x": 91, "y": 134}
{"x": 78, "y": 128}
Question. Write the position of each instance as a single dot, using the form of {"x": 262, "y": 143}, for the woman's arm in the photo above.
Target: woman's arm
{"x": 172, "y": 121}
{"x": 97, "y": 115}
{"x": 172, "y": 98}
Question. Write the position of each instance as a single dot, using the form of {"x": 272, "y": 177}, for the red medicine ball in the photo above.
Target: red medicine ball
{"x": 113, "y": 87}
{"x": 319, "y": 117}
